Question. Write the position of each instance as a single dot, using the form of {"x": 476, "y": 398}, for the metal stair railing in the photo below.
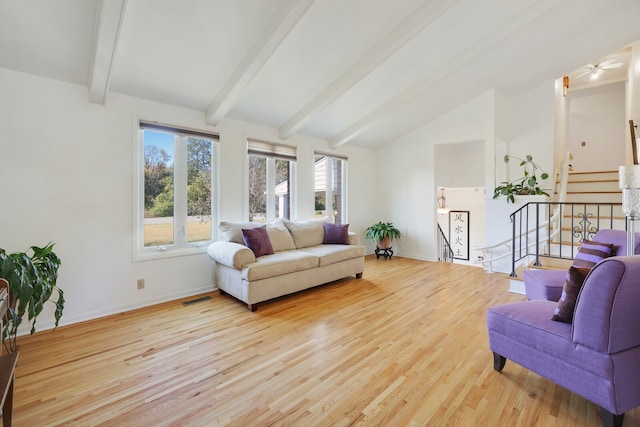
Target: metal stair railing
{"x": 488, "y": 258}
{"x": 445, "y": 253}
{"x": 569, "y": 225}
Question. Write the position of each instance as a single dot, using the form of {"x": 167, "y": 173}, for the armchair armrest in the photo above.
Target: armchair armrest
{"x": 231, "y": 254}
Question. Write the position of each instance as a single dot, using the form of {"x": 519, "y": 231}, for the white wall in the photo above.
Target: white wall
{"x": 66, "y": 174}
{"x": 409, "y": 185}
{"x": 633, "y": 99}
{"x": 597, "y": 117}
{"x": 457, "y": 164}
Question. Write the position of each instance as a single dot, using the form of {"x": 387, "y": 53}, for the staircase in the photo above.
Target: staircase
{"x": 592, "y": 187}
{"x": 582, "y": 189}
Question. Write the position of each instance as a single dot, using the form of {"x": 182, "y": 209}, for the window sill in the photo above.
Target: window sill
{"x": 153, "y": 253}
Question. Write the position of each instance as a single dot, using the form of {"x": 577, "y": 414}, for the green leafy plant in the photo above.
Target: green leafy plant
{"x": 382, "y": 230}
{"x": 528, "y": 184}
{"x": 32, "y": 282}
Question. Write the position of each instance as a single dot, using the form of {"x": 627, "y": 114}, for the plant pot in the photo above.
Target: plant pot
{"x": 384, "y": 243}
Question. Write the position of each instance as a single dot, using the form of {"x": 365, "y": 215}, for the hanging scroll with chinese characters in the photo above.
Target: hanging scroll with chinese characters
{"x": 459, "y": 234}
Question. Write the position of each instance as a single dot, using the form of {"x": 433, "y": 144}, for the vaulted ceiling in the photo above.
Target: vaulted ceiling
{"x": 363, "y": 72}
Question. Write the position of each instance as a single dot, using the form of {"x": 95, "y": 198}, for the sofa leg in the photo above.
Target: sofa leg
{"x": 498, "y": 362}
{"x": 253, "y": 307}
{"x": 358, "y": 275}
{"x": 611, "y": 420}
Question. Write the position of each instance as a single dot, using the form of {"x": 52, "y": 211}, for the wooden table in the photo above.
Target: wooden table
{"x": 7, "y": 368}
{"x": 7, "y": 363}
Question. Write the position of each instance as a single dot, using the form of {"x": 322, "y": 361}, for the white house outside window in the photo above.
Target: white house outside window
{"x": 331, "y": 187}
{"x": 174, "y": 192}
{"x": 271, "y": 168}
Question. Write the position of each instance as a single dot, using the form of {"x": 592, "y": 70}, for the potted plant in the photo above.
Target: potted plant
{"x": 382, "y": 233}
{"x": 528, "y": 184}
{"x": 32, "y": 282}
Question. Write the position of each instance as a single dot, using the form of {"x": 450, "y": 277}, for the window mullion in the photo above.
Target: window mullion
{"x": 180, "y": 192}
{"x": 271, "y": 190}
{"x": 343, "y": 192}
{"x": 328, "y": 181}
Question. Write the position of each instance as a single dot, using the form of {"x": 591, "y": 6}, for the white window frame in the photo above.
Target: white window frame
{"x": 180, "y": 246}
{"x": 329, "y": 187}
{"x": 271, "y": 152}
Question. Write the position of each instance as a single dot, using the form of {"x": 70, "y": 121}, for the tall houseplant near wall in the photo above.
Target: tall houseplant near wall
{"x": 32, "y": 282}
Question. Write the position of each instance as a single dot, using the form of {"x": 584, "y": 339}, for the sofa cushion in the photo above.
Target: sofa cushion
{"x": 257, "y": 239}
{"x": 572, "y": 285}
{"x": 307, "y": 232}
{"x": 330, "y": 254}
{"x": 592, "y": 252}
{"x": 544, "y": 284}
{"x": 280, "y": 237}
{"x": 336, "y": 234}
{"x": 279, "y": 263}
{"x": 232, "y": 231}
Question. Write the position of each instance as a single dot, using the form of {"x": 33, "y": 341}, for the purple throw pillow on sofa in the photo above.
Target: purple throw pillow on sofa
{"x": 337, "y": 234}
{"x": 257, "y": 239}
{"x": 572, "y": 285}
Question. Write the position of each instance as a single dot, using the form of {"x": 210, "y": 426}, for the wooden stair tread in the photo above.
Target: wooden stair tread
{"x": 594, "y": 172}
{"x": 596, "y": 192}
{"x": 547, "y": 264}
{"x": 587, "y": 181}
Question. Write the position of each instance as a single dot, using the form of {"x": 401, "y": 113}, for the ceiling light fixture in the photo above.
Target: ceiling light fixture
{"x": 596, "y": 73}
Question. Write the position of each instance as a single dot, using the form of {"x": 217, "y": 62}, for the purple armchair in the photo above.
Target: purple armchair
{"x": 598, "y": 355}
{"x": 547, "y": 284}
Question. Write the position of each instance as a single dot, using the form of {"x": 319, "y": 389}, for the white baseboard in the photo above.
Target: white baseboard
{"x": 66, "y": 320}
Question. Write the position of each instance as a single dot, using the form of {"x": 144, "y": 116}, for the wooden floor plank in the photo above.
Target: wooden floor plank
{"x": 406, "y": 345}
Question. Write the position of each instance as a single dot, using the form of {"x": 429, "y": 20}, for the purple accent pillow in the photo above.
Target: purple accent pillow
{"x": 591, "y": 253}
{"x": 257, "y": 239}
{"x": 572, "y": 285}
{"x": 337, "y": 234}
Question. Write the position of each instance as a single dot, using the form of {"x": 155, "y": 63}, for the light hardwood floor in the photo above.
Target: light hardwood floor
{"x": 406, "y": 345}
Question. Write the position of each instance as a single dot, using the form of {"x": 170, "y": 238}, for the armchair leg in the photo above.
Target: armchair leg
{"x": 498, "y": 362}
{"x": 611, "y": 420}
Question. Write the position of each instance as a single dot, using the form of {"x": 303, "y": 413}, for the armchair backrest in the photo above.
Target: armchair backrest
{"x": 619, "y": 239}
{"x": 608, "y": 308}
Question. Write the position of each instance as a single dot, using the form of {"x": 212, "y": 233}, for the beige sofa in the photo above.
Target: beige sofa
{"x": 300, "y": 260}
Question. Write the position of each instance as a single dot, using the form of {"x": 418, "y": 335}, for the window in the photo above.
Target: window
{"x": 330, "y": 187}
{"x": 270, "y": 180}
{"x": 175, "y": 192}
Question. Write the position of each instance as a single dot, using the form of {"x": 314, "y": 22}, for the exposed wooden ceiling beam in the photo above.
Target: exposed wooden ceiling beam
{"x": 109, "y": 17}
{"x": 420, "y": 88}
{"x": 284, "y": 20}
{"x": 387, "y": 46}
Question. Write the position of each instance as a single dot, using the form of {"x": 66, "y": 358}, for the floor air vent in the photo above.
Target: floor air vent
{"x": 193, "y": 301}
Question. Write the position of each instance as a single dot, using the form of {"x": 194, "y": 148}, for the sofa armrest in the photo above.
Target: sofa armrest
{"x": 230, "y": 254}
{"x": 354, "y": 238}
